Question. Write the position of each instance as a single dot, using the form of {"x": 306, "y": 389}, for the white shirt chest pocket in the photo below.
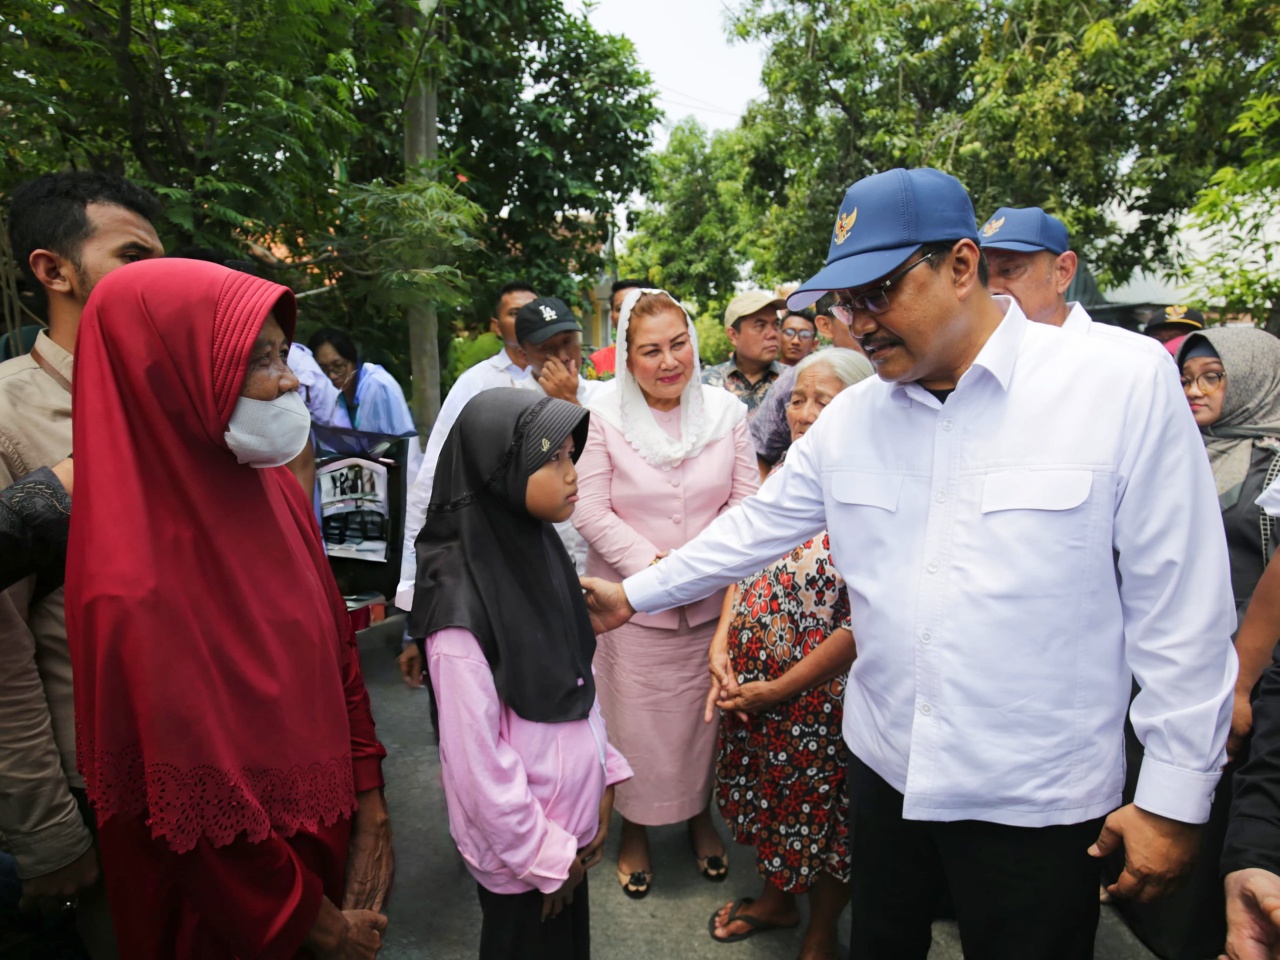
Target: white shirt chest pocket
{"x": 1035, "y": 490}
{"x": 1035, "y": 534}
{"x": 862, "y": 514}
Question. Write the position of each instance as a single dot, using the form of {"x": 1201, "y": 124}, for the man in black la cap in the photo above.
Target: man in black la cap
{"x": 550, "y": 336}
{"x": 988, "y": 503}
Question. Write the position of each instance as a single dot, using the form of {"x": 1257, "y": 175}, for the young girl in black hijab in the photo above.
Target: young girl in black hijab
{"x": 528, "y": 772}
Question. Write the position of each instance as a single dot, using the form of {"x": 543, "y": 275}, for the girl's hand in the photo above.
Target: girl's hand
{"x": 593, "y": 852}
{"x": 553, "y": 903}
{"x": 749, "y": 698}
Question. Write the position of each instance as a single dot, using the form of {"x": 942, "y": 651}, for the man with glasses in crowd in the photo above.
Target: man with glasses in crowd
{"x": 752, "y": 325}
{"x": 988, "y": 499}
{"x": 799, "y": 336}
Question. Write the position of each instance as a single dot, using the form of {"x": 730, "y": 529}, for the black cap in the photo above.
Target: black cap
{"x": 1177, "y": 317}
{"x": 539, "y": 320}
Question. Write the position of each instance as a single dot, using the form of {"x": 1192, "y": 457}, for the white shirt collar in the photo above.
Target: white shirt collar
{"x": 502, "y": 361}
{"x": 1078, "y": 319}
{"x": 997, "y": 356}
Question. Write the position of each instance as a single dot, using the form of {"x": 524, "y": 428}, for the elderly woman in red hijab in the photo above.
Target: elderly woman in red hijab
{"x": 223, "y": 727}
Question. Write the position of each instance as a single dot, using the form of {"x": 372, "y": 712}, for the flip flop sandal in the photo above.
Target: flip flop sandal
{"x": 756, "y": 925}
{"x": 636, "y": 884}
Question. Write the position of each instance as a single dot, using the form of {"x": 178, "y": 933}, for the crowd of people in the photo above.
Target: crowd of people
{"x": 945, "y": 597}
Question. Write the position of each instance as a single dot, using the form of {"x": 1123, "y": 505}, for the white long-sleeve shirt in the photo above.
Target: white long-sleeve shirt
{"x": 1011, "y": 556}
{"x": 497, "y": 371}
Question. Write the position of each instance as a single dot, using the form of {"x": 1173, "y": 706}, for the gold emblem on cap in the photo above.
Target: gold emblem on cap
{"x": 844, "y": 223}
{"x": 546, "y": 444}
{"x": 1176, "y": 312}
{"x": 992, "y": 226}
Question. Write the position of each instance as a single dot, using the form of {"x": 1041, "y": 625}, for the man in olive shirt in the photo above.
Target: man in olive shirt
{"x": 68, "y": 230}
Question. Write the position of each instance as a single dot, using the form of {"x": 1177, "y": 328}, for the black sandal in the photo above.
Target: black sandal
{"x": 635, "y": 884}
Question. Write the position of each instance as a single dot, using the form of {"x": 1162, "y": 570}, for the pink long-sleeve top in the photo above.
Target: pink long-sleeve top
{"x": 629, "y": 511}
{"x": 523, "y": 797}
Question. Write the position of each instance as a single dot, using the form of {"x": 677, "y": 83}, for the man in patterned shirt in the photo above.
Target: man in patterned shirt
{"x": 752, "y": 324}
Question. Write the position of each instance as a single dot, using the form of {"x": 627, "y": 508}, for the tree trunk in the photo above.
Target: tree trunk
{"x": 1272, "y": 324}
{"x": 424, "y": 344}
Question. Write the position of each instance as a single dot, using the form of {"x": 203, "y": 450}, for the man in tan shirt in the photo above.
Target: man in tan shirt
{"x": 68, "y": 230}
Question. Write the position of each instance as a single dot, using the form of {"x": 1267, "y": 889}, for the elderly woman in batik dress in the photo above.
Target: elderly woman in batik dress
{"x": 779, "y": 661}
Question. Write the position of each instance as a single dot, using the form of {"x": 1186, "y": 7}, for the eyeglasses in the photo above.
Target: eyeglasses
{"x": 874, "y": 301}
{"x": 339, "y": 368}
{"x": 1206, "y": 382}
{"x": 802, "y": 334}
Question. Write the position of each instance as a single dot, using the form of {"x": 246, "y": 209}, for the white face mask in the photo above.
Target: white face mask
{"x": 269, "y": 433}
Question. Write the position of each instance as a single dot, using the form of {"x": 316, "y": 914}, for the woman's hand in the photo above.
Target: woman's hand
{"x": 370, "y": 862}
{"x": 553, "y": 903}
{"x": 724, "y": 680}
{"x": 410, "y": 661}
{"x": 362, "y": 938}
{"x": 1241, "y": 724}
{"x": 750, "y": 698}
{"x": 345, "y": 934}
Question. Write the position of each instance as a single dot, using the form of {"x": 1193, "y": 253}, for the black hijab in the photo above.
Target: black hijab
{"x": 487, "y": 565}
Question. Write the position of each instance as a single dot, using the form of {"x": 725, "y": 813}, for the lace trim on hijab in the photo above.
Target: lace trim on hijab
{"x": 706, "y": 413}
{"x": 184, "y": 806}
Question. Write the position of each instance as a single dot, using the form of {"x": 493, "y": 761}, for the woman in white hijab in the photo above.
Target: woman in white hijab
{"x": 665, "y": 456}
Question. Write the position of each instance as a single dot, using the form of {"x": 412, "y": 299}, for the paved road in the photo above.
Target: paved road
{"x": 434, "y": 913}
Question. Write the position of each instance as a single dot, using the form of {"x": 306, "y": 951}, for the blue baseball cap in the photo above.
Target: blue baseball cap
{"x": 882, "y": 219}
{"x": 1025, "y": 229}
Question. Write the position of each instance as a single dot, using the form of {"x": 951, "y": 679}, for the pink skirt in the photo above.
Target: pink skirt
{"x": 653, "y": 687}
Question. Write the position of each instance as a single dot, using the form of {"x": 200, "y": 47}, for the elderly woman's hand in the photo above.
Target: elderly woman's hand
{"x": 750, "y": 698}
{"x": 370, "y": 860}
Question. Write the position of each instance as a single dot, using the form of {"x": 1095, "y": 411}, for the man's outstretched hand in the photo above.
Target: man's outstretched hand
{"x": 607, "y": 603}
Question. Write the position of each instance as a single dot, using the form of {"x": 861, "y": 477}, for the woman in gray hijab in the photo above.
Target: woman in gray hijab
{"x": 1232, "y": 379}
{"x": 1231, "y": 376}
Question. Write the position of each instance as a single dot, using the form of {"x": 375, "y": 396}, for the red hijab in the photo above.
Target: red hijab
{"x": 204, "y": 624}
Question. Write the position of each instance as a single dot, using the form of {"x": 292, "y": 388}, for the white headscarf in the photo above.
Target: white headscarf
{"x": 706, "y": 413}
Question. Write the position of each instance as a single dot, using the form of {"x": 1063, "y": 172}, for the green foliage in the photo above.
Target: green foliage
{"x": 713, "y": 343}
{"x": 1109, "y": 113}
{"x": 466, "y": 352}
{"x": 1237, "y": 211}
{"x": 689, "y": 238}
{"x": 278, "y": 127}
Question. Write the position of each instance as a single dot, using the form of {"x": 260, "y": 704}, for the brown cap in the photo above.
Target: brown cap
{"x": 745, "y": 304}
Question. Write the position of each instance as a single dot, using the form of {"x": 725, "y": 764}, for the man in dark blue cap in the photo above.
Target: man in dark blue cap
{"x": 988, "y": 504}
{"x": 1029, "y": 255}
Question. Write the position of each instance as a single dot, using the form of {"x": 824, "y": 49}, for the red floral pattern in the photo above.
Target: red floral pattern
{"x": 781, "y": 774}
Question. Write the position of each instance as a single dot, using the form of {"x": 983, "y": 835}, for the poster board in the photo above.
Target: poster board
{"x": 355, "y": 509}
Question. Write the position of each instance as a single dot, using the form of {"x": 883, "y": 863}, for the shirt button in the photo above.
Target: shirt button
{"x": 677, "y": 518}
{"x": 947, "y": 424}
{"x": 926, "y": 709}
{"x": 926, "y": 637}
{"x": 940, "y": 497}
{"x": 933, "y": 566}
{"x": 675, "y": 481}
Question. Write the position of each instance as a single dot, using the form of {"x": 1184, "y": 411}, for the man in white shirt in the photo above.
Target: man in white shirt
{"x": 992, "y": 505}
{"x": 1029, "y": 257}
{"x": 507, "y": 368}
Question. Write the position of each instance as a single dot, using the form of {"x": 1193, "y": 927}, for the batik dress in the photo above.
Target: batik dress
{"x": 781, "y": 773}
